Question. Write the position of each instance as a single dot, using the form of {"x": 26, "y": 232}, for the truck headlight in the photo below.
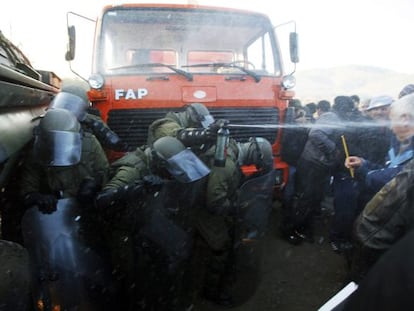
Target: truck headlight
{"x": 288, "y": 82}
{"x": 96, "y": 81}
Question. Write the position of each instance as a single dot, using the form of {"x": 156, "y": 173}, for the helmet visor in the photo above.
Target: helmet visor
{"x": 70, "y": 102}
{"x": 207, "y": 120}
{"x": 186, "y": 167}
{"x": 58, "y": 148}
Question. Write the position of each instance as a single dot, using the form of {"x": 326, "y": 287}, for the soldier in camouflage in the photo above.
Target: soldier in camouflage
{"x": 214, "y": 224}
{"x": 73, "y": 97}
{"x": 64, "y": 162}
{"x": 129, "y": 201}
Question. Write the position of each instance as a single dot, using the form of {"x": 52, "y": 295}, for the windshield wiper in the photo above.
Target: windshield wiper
{"x": 184, "y": 73}
{"x": 252, "y": 74}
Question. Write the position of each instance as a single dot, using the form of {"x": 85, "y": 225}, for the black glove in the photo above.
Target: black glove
{"x": 46, "y": 203}
{"x": 213, "y": 128}
{"x": 87, "y": 191}
{"x": 128, "y": 193}
{"x": 105, "y": 135}
{"x": 107, "y": 198}
{"x": 153, "y": 183}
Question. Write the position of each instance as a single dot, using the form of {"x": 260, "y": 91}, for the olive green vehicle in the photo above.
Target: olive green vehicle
{"x": 24, "y": 95}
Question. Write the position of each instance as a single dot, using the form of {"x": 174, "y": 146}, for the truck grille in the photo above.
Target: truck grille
{"x": 132, "y": 124}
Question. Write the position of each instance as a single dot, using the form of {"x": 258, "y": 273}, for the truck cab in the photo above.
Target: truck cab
{"x": 149, "y": 59}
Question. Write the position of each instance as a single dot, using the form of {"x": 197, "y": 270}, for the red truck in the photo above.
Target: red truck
{"x": 152, "y": 58}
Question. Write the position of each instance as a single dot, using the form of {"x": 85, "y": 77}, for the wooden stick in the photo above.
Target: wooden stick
{"x": 351, "y": 170}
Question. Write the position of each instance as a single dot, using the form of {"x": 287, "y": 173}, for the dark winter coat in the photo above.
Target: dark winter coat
{"x": 293, "y": 141}
{"x": 321, "y": 146}
{"x": 389, "y": 284}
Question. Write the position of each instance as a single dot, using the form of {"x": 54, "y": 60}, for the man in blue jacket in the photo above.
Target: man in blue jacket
{"x": 401, "y": 150}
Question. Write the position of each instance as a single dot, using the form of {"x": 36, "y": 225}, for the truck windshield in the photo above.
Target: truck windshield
{"x": 197, "y": 41}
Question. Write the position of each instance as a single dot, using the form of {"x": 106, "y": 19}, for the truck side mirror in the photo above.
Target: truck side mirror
{"x": 70, "y": 53}
{"x": 294, "y": 47}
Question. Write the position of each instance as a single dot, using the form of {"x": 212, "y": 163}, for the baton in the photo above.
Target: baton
{"x": 351, "y": 170}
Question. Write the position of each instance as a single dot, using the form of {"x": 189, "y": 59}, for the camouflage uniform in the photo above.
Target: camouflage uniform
{"x": 65, "y": 181}
{"x": 74, "y": 99}
{"x": 212, "y": 258}
{"x": 148, "y": 276}
{"x": 58, "y": 182}
{"x": 223, "y": 181}
{"x": 216, "y": 221}
{"x": 384, "y": 220}
{"x": 123, "y": 220}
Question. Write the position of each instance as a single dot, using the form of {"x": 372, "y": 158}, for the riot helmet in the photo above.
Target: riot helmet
{"x": 257, "y": 151}
{"x": 75, "y": 104}
{"x": 179, "y": 161}
{"x": 160, "y": 128}
{"x": 198, "y": 115}
{"x": 58, "y": 139}
{"x": 76, "y": 87}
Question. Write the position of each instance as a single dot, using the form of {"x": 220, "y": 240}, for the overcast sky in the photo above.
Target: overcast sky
{"x": 331, "y": 32}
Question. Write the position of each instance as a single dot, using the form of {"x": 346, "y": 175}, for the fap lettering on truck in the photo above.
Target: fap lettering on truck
{"x": 149, "y": 59}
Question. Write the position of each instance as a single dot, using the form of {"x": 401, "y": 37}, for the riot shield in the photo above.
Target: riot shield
{"x": 167, "y": 219}
{"x": 254, "y": 207}
{"x": 165, "y": 240}
{"x": 66, "y": 273}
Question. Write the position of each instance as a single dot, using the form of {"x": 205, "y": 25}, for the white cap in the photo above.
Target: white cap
{"x": 379, "y": 101}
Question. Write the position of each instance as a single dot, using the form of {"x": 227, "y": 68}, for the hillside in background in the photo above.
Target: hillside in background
{"x": 317, "y": 84}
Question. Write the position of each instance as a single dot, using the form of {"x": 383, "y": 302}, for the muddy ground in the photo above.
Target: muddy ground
{"x": 293, "y": 278}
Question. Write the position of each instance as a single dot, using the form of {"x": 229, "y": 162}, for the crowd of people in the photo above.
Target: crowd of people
{"x": 361, "y": 154}
{"x": 166, "y": 218}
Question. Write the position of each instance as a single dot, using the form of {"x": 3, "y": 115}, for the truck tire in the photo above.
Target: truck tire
{"x": 15, "y": 277}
